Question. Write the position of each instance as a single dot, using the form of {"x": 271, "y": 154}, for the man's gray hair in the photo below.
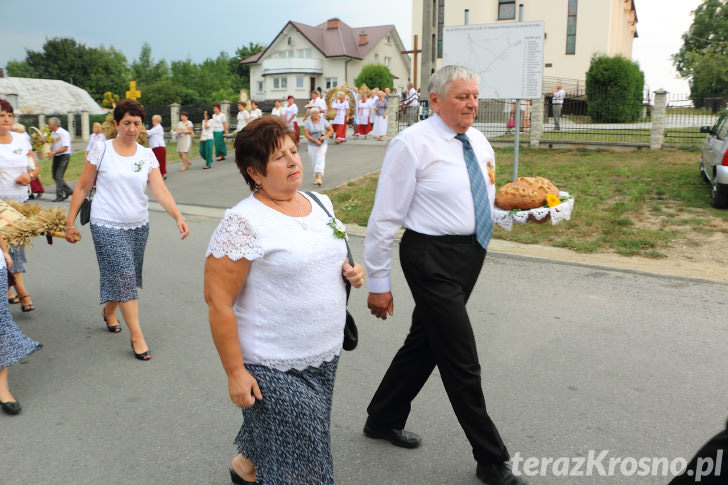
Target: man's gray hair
{"x": 442, "y": 78}
{"x": 54, "y": 121}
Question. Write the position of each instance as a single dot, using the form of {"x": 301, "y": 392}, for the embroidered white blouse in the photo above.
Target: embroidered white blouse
{"x": 292, "y": 308}
{"x": 13, "y": 164}
{"x": 121, "y": 182}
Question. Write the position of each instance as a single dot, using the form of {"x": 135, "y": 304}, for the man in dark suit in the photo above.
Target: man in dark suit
{"x": 437, "y": 181}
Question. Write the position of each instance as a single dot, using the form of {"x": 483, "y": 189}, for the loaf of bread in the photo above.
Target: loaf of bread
{"x": 525, "y": 193}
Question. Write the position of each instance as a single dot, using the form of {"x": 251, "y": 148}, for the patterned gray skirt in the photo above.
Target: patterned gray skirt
{"x": 287, "y": 434}
{"x": 120, "y": 253}
{"x": 18, "y": 255}
{"x": 14, "y": 344}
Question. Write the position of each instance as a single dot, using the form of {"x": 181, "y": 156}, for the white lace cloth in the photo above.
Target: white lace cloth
{"x": 506, "y": 219}
{"x": 292, "y": 309}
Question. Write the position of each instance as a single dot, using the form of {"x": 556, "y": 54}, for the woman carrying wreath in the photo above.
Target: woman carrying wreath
{"x": 277, "y": 307}
{"x": 122, "y": 169}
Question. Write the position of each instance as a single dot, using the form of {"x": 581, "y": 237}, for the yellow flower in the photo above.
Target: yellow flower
{"x": 552, "y": 200}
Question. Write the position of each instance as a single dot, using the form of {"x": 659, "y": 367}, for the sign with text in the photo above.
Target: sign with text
{"x": 508, "y": 57}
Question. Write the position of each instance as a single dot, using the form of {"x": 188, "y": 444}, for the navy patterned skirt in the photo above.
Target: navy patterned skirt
{"x": 14, "y": 344}
{"x": 120, "y": 253}
{"x": 287, "y": 434}
{"x": 18, "y": 255}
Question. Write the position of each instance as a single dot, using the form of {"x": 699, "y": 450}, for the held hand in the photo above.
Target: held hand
{"x": 184, "y": 229}
{"x": 380, "y": 304}
{"x": 243, "y": 389}
{"x": 72, "y": 234}
{"x": 23, "y": 179}
{"x": 8, "y": 259}
{"x": 355, "y": 274}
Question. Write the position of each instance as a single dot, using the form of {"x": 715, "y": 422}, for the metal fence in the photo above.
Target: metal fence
{"x": 578, "y": 126}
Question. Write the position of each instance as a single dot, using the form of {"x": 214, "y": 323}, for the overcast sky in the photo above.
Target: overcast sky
{"x": 194, "y": 29}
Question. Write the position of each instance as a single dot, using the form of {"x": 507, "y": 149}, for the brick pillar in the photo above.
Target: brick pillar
{"x": 392, "y": 123}
{"x": 537, "y": 116}
{"x": 71, "y": 129}
{"x": 657, "y": 136}
{"x": 84, "y": 125}
{"x": 173, "y": 116}
{"x": 225, "y": 109}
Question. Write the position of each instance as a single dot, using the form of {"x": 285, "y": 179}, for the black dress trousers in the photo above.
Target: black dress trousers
{"x": 441, "y": 272}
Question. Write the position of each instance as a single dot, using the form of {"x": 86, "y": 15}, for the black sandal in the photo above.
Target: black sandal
{"x": 26, "y": 308}
{"x": 143, "y": 356}
{"x": 13, "y": 300}
{"x": 111, "y": 328}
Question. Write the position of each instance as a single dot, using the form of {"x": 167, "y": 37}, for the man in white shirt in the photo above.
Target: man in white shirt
{"x": 437, "y": 181}
{"x": 61, "y": 151}
{"x": 411, "y": 105}
{"x": 557, "y": 102}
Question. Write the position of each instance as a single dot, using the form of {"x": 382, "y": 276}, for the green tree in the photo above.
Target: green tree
{"x": 145, "y": 71}
{"x": 614, "y": 88}
{"x": 20, "y": 69}
{"x": 704, "y": 51}
{"x": 243, "y": 70}
{"x": 374, "y": 76}
{"x": 166, "y": 92}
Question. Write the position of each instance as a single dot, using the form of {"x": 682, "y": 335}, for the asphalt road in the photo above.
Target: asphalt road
{"x": 575, "y": 358}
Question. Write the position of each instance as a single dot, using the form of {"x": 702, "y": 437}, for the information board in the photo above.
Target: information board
{"x": 508, "y": 57}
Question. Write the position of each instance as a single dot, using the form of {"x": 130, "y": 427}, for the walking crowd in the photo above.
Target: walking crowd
{"x": 278, "y": 268}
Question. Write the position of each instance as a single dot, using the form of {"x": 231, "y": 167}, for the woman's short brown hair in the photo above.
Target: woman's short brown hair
{"x": 130, "y": 106}
{"x": 6, "y": 106}
{"x": 255, "y": 144}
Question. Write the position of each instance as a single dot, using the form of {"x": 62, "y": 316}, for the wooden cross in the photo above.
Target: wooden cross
{"x": 414, "y": 51}
{"x": 133, "y": 93}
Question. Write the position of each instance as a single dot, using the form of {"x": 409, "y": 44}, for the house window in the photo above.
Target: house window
{"x": 506, "y": 9}
{"x": 290, "y": 53}
{"x": 571, "y": 27}
{"x": 260, "y": 86}
{"x": 304, "y": 52}
{"x": 331, "y": 82}
{"x": 388, "y": 39}
{"x": 376, "y": 58}
{"x": 299, "y": 82}
{"x": 387, "y": 61}
{"x": 290, "y": 41}
{"x": 280, "y": 83}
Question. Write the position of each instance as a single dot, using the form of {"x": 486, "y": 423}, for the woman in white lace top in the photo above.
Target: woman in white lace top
{"x": 122, "y": 169}
{"x": 274, "y": 286}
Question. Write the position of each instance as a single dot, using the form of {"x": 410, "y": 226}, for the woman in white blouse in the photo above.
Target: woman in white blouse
{"x": 206, "y": 139}
{"x": 156, "y": 143}
{"x": 95, "y": 137}
{"x": 277, "y": 110}
{"x": 122, "y": 168}
{"x": 277, "y": 299}
{"x": 255, "y": 112}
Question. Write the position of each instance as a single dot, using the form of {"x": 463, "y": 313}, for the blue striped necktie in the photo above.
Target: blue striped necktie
{"x": 483, "y": 220}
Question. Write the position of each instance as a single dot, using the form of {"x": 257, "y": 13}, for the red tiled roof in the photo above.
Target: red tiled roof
{"x": 335, "y": 42}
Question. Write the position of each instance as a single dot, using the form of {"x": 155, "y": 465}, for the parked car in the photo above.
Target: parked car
{"x": 714, "y": 160}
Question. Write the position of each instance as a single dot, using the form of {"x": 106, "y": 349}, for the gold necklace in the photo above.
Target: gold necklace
{"x": 300, "y": 210}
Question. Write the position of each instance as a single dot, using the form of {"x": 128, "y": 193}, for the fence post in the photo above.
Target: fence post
{"x": 41, "y": 121}
{"x": 392, "y": 111}
{"x": 84, "y": 125}
{"x": 536, "y": 121}
{"x": 71, "y": 129}
{"x": 657, "y": 136}
{"x": 173, "y": 116}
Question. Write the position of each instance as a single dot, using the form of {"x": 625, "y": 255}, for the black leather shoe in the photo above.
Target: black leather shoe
{"x": 498, "y": 474}
{"x": 59, "y": 199}
{"x": 11, "y": 407}
{"x": 398, "y": 437}
{"x": 238, "y": 480}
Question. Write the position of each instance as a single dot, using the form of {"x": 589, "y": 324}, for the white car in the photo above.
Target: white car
{"x": 714, "y": 160}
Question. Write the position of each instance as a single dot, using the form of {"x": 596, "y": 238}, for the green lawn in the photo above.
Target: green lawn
{"x": 631, "y": 203}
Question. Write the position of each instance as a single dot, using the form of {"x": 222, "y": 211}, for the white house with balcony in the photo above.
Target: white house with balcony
{"x": 302, "y": 58}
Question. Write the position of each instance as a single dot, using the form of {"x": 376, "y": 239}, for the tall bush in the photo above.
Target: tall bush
{"x": 375, "y": 76}
{"x": 614, "y": 89}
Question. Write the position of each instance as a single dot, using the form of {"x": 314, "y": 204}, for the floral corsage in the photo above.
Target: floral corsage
{"x": 338, "y": 227}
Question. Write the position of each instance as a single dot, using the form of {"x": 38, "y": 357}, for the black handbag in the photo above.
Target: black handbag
{"x": 84, "y": 213}
{"x": 351, "y": 334}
